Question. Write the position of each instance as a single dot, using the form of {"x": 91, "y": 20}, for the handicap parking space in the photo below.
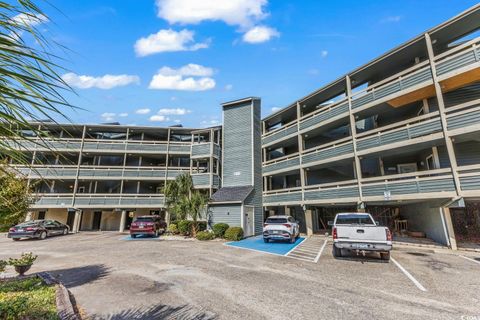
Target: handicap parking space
{"x": 280, "y": 248}
{"x": 140, "y": 238}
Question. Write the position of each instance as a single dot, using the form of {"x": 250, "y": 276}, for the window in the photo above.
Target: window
{"x": 430, "y": 162}
{"x": 354, "y": 219}
{"x": 276, "y": 220}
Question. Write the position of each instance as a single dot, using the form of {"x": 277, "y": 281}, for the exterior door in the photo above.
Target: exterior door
{"x": 97, "y": 219}
{"x": 248, "y": 224}
{"x": 70, "y": 219}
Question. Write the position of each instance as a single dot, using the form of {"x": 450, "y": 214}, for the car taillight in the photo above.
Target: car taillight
{"x": 389, "y": 234}
{"x": 11, "y": 230}
{"x": 287, "y": 225}
{"x": 334, "y": 233}
{"x": 30, "y": 229}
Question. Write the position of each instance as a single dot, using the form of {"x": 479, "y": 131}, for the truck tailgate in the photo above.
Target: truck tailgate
{"x": 361, "y": 233}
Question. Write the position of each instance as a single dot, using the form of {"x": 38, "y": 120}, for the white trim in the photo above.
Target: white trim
{"x": 320, "y": 252}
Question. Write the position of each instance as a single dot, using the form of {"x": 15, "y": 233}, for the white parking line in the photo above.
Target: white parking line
{"x": 409, "y": 276}
{"x": 470, "y": 259}
{"x": 320, "y": 252}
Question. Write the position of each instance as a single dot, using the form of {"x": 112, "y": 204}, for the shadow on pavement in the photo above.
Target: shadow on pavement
{"x": 74, "y": 277}
{"x": 160, "y": 312}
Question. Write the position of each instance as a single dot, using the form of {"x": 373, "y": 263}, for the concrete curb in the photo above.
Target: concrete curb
{"x": 65, "y": 308}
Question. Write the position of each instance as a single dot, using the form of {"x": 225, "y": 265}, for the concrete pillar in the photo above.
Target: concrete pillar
{"x": 287, "y": 211}
{"x": 123, "y": 219}
{"x": 76, "y": 221}
{"x": 449, "y": 226}
{"x": 29, "y": 216}
{"x": 309, "y": 222}
{"x": 167, "y": 217}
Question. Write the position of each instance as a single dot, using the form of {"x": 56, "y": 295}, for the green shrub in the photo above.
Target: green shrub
{"x": 25, "y": 259}
{"x": 234, "y": 233}
{"x": 201, "y": 225}
{"x": 205, "y": 235}
{"x": 3, "y": 264}
{"x": 219, "y": 229}
{"x": 184, "y": 227}
{"x": 172, "y": 228}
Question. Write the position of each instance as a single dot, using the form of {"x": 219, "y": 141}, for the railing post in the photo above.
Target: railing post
{"x": 443, "y": 118}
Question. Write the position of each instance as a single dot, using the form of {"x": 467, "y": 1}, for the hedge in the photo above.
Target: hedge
{"x": 234, "y": 233}
{"x": 219, "y": 229}
{"x": 184, "y": 227}
{"x": 172, "y": 228}
{"x": 205, "y": 235}
{"x": 201, "y": 225}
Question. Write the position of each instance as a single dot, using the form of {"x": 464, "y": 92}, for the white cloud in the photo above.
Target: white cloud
{"x": 229, "y": 87}
{"x": 168, "y": 40}
{"x": 260, "y": 34}
{"x": 177, "y": 121}
{"x": 183, "y": 78}
{"x": 324, "y": 53}
{"x": 29, "y": 19}
{"x": 123, "y": 114}
{"x": 275, "y": 109}
{"x": 391, "y": 19}
{"x": 242, "y": 13}
{"x": 173, "y": 111}
{"x": 143, "y": 111}
{"x": 159, "y": 118}
{"x": 210, "y": 123}
{"x": 108, "y": 116}
{"x": 107, "y": 81}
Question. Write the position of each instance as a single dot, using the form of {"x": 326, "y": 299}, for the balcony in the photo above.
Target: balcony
{"x": 404, "y": 131}
{"x": 201, "y": 150}
{"x": 327, "y": 114}
{"x": 422, "y": 184}
{"x": 338, "y": 192}
{"x": 99, "y": 201}
{"x": 470, "y": 180}
{"x": 286, "y": 163}
{"x": 333, "y": 151}
{"x": 47, "y": 144}
{"x": 282, "y": 197}
{"x": 407, "y": 81}
{"x": 280, "y": 134}
{"x": 202, "y": 180}
{"x": 464, "y": 117}
{"x": 458, "y": 60}
{"x": 178, "y": 147}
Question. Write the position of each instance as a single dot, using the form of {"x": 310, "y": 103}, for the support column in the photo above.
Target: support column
{"x": 123, "y": 219}
{"x": 445, "y": 211}
{"x": 29, "y": 216}
{"x": 309, "y": 222}
{"x": 76, "y": 221}
{"x": 301, "y": 148}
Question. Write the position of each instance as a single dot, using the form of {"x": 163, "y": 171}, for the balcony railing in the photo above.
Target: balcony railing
{"x": 336, "y": 192}
{"x": 332, "y": 151}
{"x": 282, "y": 196}
{"x": 285, "y": 163}
{"x": 470, "y": 179}
{"x": 327, "y": 114}
{"x": 280, "y": 133}
{"x": 99, "y": 200}
{"x": 202, "y": 180}
{"x": 201, "y": 150}
{"x": 437, "y": 183}
{"x": 463, "y": 116}
{"x": 400, "y": 132}
{"x": 463, "y": 56}
{"x": 410, "y": 79}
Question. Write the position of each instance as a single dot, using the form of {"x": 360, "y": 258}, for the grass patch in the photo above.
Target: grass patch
{"x": 27, "y": 299}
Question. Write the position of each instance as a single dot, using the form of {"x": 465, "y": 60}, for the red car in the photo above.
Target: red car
{"x": 147, "y": 225}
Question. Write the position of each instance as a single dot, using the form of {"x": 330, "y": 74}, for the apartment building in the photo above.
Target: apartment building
{"x": 99, "y": 177}
{"x": 399, "y": 137}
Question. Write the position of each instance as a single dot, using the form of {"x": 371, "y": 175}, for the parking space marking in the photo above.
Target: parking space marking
{"x": 470, "y": 259}
{"x": 320, "y": 252}
{"x": 409, "y": 276}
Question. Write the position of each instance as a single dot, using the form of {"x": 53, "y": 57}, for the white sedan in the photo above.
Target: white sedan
{"x": 281, "y": 228}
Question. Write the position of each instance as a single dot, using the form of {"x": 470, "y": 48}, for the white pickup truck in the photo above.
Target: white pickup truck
{"x": 357, "y": 232}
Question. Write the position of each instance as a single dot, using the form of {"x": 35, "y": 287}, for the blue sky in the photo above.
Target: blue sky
{"x": 179, "y": 59}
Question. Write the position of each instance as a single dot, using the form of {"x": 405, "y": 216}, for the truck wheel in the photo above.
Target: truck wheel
{"x": 385, "y": 256}
{"x": 337, "y": 252}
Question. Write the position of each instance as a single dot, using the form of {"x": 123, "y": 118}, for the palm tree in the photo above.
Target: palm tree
{"x": 30, "y": 85}
{"x": 183, "y": 201}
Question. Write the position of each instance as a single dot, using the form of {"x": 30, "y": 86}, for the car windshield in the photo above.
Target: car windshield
{"x": 276, "y": 220}
{"x": 354, "y": 219}
{"x": 144, "y": 219}
{"x": 28, "y": 224}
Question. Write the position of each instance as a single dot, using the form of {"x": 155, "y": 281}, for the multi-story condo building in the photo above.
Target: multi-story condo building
{"x": 97, "y": 177}
{"x": 399, "y": 137}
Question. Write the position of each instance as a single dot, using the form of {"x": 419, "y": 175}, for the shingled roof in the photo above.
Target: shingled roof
{"x": 232, "y": 194}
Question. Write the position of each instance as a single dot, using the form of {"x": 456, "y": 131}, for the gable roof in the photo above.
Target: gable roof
{"x": 231, "y": 194}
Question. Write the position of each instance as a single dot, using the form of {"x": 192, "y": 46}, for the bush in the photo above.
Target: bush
{"x": 3, "y": 264}
{"x": 219, "y": 229}
{"x": 184, "y": 227}
{"x": 172, "y": 228}
{"x": 25, "y": 259}
{"x": 205, "y": 235}
{"x": 234, "y": 233}
{"x": 201, "y": 225}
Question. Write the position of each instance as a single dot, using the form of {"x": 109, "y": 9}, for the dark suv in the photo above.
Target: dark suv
{"x": 147, "y": 225}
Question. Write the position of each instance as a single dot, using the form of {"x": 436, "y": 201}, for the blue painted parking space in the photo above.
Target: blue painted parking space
{"x": 140, "y": 238}
{"x": 256, "y": 244}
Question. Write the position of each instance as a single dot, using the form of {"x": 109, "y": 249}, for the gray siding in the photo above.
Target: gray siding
{"x": 467, "y": 153}
{"x": 237, "y": 142}
{"x": 228, "y": 213}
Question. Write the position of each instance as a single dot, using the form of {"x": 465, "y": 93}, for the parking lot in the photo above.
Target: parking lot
{"x": 204, "y": 280}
